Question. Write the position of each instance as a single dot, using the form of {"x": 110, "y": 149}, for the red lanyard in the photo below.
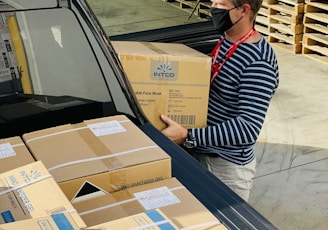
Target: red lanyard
{"x": 216, "y": 67}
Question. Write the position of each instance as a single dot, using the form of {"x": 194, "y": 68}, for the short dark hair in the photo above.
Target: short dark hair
{"x": 255, "y": 5}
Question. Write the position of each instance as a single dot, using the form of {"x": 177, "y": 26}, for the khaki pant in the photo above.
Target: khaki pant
{"x": 237, "y": 177}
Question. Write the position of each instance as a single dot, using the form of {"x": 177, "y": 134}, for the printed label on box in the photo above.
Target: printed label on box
{"x": 106, "y": 128}
{"x": 6, "y": 150}
{"x": 7, "y": 217}
{"x": 62, "y": 221}
{"x": 156, "y": 198}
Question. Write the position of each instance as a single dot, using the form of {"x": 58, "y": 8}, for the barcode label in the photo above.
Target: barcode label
{"x": 184, "y": 119}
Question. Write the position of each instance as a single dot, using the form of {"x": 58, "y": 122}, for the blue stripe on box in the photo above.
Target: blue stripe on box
{"x": 156, "y": 217}
{"x": 7, "y": 217}
{"x": 62, "y": 222}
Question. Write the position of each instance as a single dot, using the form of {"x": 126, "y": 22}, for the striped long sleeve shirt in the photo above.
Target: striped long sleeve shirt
{"x": 238, "y": 101}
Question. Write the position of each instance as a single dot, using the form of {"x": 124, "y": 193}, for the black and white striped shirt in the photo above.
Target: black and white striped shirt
{"x": 238, "y": 101}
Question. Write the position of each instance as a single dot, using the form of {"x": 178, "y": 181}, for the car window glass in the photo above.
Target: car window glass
{"x": 28, "y": 4}
{"x": 53, "y": 50}
{"x": 121, "y": 17}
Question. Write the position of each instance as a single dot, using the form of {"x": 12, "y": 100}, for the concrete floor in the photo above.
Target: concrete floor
{"x": 291, "y": 184}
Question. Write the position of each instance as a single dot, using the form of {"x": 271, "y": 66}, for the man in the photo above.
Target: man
{"x": 244, "y": 79}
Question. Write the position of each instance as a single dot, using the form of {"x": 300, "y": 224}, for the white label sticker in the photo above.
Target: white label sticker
{"x": 156, "y": 198}
{"x": 106, "y": 128}
{"x": 6, "y": 150}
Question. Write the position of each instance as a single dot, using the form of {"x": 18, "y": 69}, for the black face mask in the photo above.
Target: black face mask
{"x": 221, "y": 19}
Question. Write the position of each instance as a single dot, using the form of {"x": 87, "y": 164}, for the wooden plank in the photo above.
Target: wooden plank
{"x": 264, "y": 11}
{"x": 313, "y": 27}
{"x": 315, "y": 38}
{"x": 287, "y": 19}
{"x": 295, "y": 39}
{"x": 287, "y": 9}
{"x": 262, "y": 29}
{"x": 187, "y": 4}
{"x": 320, "y": 5}
{"x": 265, "y": 3}
{"x": 201, "y": 9}
{"x": 204, "y": 13}
{"x": 262, "y": 20}
{"x": 316, "y": 7}
{"x": 315, "y": 49}
{"x": 204, "y": 9}
{"x": 292, "y": 48}
{"x": 289, "y": 2}
{"x": 312, "y": 1}
{"x": 320, "y": 17}
{"x": 205, "y": 5}
{"x": 292, "y": 29}
{"x": 316, "y": 57}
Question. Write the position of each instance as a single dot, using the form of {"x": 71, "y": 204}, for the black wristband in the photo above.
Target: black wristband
{"x": 190, "y": 141}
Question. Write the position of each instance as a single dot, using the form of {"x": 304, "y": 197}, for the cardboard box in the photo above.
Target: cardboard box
{"x": 108, "y": 154}
{"x": 171, "y": 79}
{"x": 29, "y": 192}
{"x": 153, "y": 219}
{"x": 60, "y": 221}
{"x": 169, "y": 196}
{"x": 13, "y": 154}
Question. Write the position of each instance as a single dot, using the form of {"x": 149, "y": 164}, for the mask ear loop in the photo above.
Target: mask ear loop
{"x": 240, "y": 16}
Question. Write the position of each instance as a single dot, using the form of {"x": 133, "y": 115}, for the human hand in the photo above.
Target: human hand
{"x": 174, "y": 131}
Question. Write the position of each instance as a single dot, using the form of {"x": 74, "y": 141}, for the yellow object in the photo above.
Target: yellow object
{"x": 20, "y": 54}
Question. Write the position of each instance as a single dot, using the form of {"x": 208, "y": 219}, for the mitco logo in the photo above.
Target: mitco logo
{"x": 164, "y": 70}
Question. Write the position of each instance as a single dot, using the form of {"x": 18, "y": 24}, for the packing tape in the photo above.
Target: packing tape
{"x": 97, "y": 146}
{"x": 99, "y": 158}
{"x": 53, "y": 134}
{"x": 66, "y": 131}
{"x": 202, "y": 225}
{"x": 17, "y": 145}
{"x": 154, "y": 48}
{"x": 25, "y": 184}
{"x": 120, "y": 203}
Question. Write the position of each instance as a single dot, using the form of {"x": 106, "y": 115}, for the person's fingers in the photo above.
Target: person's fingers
{"x": 165, "y": 119}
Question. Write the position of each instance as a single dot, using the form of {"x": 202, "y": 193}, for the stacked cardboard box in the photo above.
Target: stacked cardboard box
{"x": 109, "y": 154}
{"x": 153, "y": 219}
{"x": 169, "y": 196}
{"x": 30, "y": 192}
{"x": 131, "y": 172}
{"x": 60, "y": 221}
{"x": 13, "y": 154}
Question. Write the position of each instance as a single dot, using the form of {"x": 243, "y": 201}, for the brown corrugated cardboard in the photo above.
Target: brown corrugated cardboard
{"x": 169, "y": 196}
{"x": 60, "y": 221}
{"x": 171, "y": 79}
{"x": 31, "y": 192}
{"x": 13, "y": 154}
{"x": 109, "y": 153}
{"x": 153, "y": 219}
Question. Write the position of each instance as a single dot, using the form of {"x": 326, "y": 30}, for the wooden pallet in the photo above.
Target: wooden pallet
{"x": 286, "y": 24}
{"x": 315, "y": 37}
{"x": 315, "y": 46}
{"x": 262, "y": 19}
{"x": 200, "y": 9}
